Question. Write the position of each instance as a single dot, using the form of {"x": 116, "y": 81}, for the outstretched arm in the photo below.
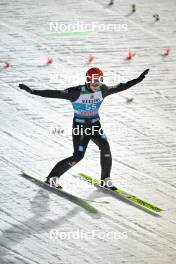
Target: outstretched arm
{"x": 123, "y": 86}
{"x": 64, "y": 94}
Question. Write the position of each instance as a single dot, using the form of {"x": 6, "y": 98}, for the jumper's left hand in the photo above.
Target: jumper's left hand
{"x": 142, "y": 76}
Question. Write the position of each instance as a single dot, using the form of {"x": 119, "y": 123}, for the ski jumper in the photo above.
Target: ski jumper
{"x": 86, "y": 104}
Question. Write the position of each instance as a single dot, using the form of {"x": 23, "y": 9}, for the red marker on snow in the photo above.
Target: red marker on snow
{"x": 167, "y": 52}
{"x": 130, "y": 55}
{"x": 7, "y": 64}
{"x": 50, "y": 60}
{"x": 91, "y": 58}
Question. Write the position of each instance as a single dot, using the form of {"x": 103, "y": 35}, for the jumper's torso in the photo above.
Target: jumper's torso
{"x": 87, "y": 104}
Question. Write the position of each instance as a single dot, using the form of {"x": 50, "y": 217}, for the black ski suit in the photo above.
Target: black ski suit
{"x": 86, "y": 120}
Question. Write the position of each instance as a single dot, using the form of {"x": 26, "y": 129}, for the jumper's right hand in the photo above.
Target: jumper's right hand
{"x": 25, "y": 87}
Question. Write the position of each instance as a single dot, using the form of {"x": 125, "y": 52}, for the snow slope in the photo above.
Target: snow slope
{"x": 143, "y": 147}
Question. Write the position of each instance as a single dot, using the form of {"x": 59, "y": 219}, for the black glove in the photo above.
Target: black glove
{"x": 26, "y": 88}
{"x": 142, "y": 76}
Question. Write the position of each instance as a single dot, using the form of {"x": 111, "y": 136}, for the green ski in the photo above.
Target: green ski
{"x": 72, "y": 198}
{"x": 123, "y": 194}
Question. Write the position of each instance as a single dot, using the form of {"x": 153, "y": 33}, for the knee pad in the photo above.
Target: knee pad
{"x": 103, "y": 136}
{"x": 79, "y": 155}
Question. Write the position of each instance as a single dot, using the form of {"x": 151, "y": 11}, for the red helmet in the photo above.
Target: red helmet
{"x": 94, "y": 73}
